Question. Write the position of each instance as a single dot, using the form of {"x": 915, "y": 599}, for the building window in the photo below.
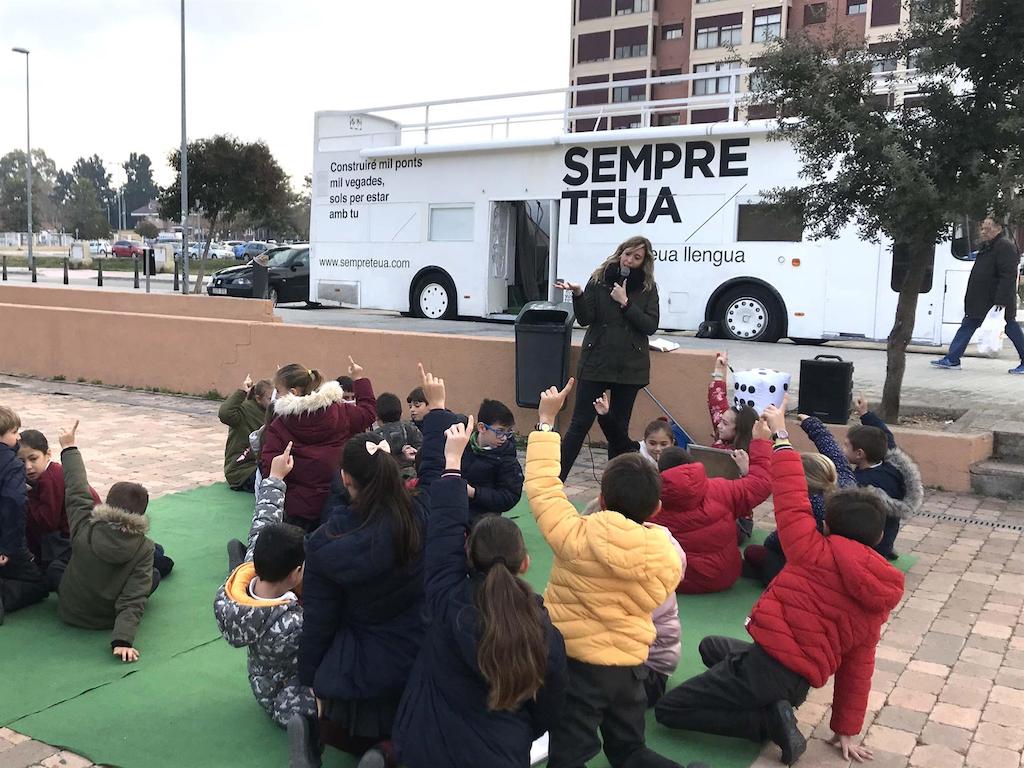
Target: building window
{"x": 594, "y": 96}
{"x": 670, "y": 72}
{"x": 451, "y": 223}
{"x": 595, "y": 9}
{"x": 719, "y": 37}
{"x": 630, "y": 51}
{"x": 630, "y": 43}
{"x": 712, "y": 85}
{"x": 626, "y": 7}
{"x": 671, "y": 31}
{"x": 767, "y": 25}
{"x": 884, "y": 57}
{"x": 626, "y": 121}
{"x": 759, "y": 222}
{"x": 856, "y": 7}
{"x": 669, "y": 119}
{"x": 621, "y": 93}
{"x": 815, "y": 13}
{"x": 593, "y": 47}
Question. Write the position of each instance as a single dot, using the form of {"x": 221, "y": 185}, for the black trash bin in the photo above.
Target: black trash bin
{"x": 260, "y": 280}
{"x": 148, "y": 257}
{"x": 543, "y": 338}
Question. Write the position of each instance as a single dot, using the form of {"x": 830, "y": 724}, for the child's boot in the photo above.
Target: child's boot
{"x": 303, "y": 742}
{"x": 783, "y": 730}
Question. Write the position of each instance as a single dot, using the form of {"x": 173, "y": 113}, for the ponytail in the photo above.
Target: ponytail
{"x": 512, "y": 651}
{"x": 381, "y": 494}
{"x": 295, "y": 376}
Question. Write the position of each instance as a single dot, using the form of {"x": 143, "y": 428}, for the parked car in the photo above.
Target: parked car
{"x": 251, "y": 249}
{"x": 127, "y": 248}
{"x": 99, "y": 247}
{"x": 288, "y": 276}
{"x": 232, "y": 244}
{"x": 217, "y": 251}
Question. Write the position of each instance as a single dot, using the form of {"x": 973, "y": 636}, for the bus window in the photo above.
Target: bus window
{"x": 966, "y": 239}
{"x": 900, "y": 265}
{"x": 451, "y": 223}
{"x": 769, "y": 222}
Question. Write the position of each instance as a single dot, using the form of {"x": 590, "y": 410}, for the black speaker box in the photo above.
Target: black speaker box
{"x": 826, "y": 388}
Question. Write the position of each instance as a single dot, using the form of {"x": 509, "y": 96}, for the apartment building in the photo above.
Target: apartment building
{"x": 622, "y": 40}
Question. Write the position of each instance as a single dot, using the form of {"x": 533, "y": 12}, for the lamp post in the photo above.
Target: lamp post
{"x": 28, "y": 166}
{"x": 184, "y": 166}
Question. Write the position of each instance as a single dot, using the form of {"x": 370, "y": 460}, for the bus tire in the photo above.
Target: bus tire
{"x": 750, "y": 313}
{"x": 433, "y": 297}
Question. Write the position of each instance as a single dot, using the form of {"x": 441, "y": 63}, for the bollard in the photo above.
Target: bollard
{"x": 135, "y": 260}
{"x": 146, "y": 264}
{"x": 99, "y": 273}
{"x": 35, "y": 277}
{"x": 65, "y": 270}
{"x": 177, "y": 285}
{"x": 4, "y": 259}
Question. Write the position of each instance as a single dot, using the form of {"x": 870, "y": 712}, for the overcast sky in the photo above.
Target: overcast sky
{"x": 105, "y": 74}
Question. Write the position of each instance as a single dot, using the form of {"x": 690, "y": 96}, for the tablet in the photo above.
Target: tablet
{"x": 717, "y": 461}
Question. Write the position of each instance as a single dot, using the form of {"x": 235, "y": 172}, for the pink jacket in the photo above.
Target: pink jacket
{"x": 664, "y": 654}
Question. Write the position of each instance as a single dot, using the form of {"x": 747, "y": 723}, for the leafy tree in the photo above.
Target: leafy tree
{"x": 140, "y": 187}
{"x": 147, "y": 229}
{"x": 226, "y": 178}
{"x": 13, "y": 202}
{"x": 85, "y": 217}
{"x": 906, "y": 171}
{"x": 93, "y": 170}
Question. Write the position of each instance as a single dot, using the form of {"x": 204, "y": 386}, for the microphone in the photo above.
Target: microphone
{"x": 623, "y": 272}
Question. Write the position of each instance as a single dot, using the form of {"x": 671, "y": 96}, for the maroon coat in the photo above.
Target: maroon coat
{"x": 700, "y": 513}
{"x": 318, "y": 425}
{"x": 46, "y": 513}
{"x": 822, "y": 615}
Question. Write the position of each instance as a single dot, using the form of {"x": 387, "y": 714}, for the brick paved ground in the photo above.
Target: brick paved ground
{"x": 949, "y": 681}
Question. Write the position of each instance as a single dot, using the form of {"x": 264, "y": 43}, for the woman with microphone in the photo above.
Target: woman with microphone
{"x": 619, "y": 309}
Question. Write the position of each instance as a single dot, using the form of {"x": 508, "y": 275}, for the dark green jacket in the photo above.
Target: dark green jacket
{"x": 615, "y": 347}
{"x": 241, "y": 417}
{"x": 110, "y": 576}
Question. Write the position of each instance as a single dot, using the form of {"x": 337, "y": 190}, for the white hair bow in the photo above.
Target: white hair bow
{"x": 383, "y": 445}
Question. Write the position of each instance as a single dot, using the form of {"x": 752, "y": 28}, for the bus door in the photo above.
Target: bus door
{"x": 520, "y": 244}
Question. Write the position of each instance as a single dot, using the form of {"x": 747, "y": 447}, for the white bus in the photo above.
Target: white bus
{"x": 476, "y": 228}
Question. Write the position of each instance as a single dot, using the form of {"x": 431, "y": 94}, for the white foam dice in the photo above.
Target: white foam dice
{"x": 759, "y": 388}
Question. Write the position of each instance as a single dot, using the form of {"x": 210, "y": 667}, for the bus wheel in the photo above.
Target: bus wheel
{"x": 750, "y": 313}
{"x": 433, "y": 297}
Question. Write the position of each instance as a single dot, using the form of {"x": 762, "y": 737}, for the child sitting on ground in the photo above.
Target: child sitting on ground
{"x": 310, "y": 414}
{"x": 490, "y": 678}
{"x": 21, "y": 582}
{"x": 258, "y": 608}
{"x": 46, "y": 524}
{"x": 610, "y": 573}
{"x": 110, "y": 575}
{"x": 825, "y": 471}
{"x": 657, "y": 435}
{"x": 822, "y": 615}
{"x": 418, "y": 407}
{"x": 242, "y": 413}
{"x": 490, "y": 466}
{"x": 701, "y": 512}
{"x": 877, "y": 463}
{"x": 404, "y": 437}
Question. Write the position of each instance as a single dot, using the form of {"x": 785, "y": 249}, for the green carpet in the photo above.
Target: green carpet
{"x": 187, "y": 701}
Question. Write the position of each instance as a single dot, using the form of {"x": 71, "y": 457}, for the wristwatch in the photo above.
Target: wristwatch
{"x": 780, "y": 435}
{"x": 542, "y": 427}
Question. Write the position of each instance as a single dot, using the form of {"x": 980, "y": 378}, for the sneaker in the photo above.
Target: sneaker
{"x": 236, "y": 554}
{"x": 782, "y": 729}
{"x": 945, "y": 362}
{"x": 892, "y": 555}
{"x": 373, "y": 758}
{"x": 303, "y": 746}
{"x": 1018, "y": 371}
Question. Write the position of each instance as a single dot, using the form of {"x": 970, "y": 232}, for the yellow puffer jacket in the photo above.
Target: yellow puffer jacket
{"x": 609, "y": 573}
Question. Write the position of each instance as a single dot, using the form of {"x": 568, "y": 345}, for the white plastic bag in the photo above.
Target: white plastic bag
{"x": 990, "y": 334}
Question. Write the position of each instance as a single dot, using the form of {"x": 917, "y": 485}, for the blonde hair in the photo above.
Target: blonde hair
{"x": 9, "y": 420}
{"x": 625, "y": 245}
{"x": 820, "y": 473}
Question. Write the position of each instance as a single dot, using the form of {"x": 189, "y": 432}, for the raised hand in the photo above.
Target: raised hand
{"x": 761, "y": 430}
{"x": 247, "y": 384}
{"x": 456, "y": 439}
{"x": 433, "y": 388}
{"x": 860, "y": 404}
{"x": 282, "y": 464}
{"x": 565, "y": 285}
{"x": 742, "y": 459}
{"x": 776, "y": 418}
{"x": 722, "y": 363}
{"x": 67, "y": 436}
{"x": 551, "y": 401}
{"x": 355, "y": 370}
{"x": 603, "y": 404}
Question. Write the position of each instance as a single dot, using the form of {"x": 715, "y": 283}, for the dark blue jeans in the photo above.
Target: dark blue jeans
{"x": 971, "y": 324}
{"x": 889, "y": 534}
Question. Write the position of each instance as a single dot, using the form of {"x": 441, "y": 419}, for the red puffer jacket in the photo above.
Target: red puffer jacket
{"x": 701, "y": 514}
{"x": 822, "y": 615}
{"x": 318, "y": 425}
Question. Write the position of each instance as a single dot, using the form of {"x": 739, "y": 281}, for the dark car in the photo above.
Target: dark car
{"x": 288, "y": 276}
{"x": 126, "y": 248}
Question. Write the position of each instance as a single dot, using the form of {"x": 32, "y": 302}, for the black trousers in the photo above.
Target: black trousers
{"x": 732, "y": 697}
{"x": 583, "y": 415}
{"x": 611, "y": 700}
{"x": 21, "y": 582}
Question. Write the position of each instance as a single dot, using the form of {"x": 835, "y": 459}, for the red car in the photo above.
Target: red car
{"x": 126, "y": 248}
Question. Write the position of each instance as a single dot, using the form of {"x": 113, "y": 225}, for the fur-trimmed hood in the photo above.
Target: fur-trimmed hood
{"x": 913, "y": 499}
{"x": 296, "y": 405}
{"x": 115, "y": 534}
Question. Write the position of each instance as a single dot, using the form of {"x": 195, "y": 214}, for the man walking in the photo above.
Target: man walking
{"x": 992, "y": 285}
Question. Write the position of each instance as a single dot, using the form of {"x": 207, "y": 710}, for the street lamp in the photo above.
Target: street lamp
{"x": 184, "y": 166}
{"x": 28, "y": 166}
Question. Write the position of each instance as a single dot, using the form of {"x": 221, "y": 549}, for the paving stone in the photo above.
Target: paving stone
{"x": 918, "y": 681}
{"x": 1003, "y": 714}
{"x": 66, "y": 760}
{"x": 1011, "y": 696}
{"x": 929, "y": 668}
{"x": 957, "y": 739}
{"x": 985, "y": 756}
{"x": 890, "y": 740}
{"x": 25, "y": 753}
{"x": 911, "y": 699}
{"x": 972, "y": 698}
{"x": 901, "y": 718}
{"x": 935, "y": 756}
{"x": 996, "y": 735}
{"x": 952, "y": 714}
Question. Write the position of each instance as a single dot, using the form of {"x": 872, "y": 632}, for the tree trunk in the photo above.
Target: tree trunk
{"x": 202, "y": 259}
{"x": 921, "y": 255}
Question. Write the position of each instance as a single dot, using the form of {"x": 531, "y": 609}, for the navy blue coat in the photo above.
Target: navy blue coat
{"x": 364, "y": 616}
{"x": 443, "y": 719}
{"x": 497, "y": 477}
{"x": 12, "y": 501}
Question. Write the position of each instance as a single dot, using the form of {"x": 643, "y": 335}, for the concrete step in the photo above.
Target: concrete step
{"x": 994, "y": 477}
{"x": 1008, "y": 445}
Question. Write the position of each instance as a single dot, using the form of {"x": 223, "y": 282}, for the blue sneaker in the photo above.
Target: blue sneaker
{"x": 1018, "y": 371}
{"x": 945, "y": 362}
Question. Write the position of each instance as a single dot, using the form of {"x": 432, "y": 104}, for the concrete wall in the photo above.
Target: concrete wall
{"x": 137, "y": 303}
{"x": 199, "y": 354}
